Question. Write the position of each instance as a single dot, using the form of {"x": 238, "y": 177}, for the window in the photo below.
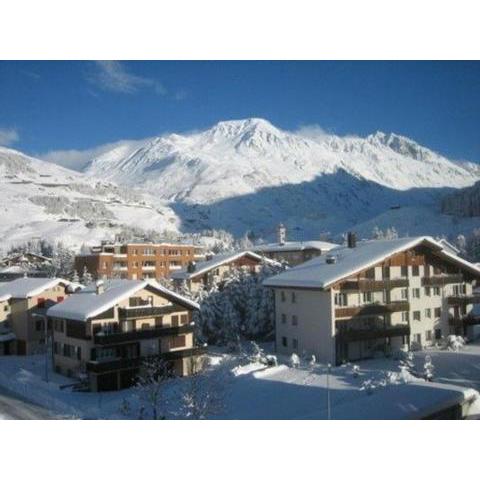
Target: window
{"x": 178, "y": 342}
{"x": 405, "y": 316}
{"x": 294, "y": 320}
{"x": 294, "y": 297}
{"x": 404, "y": 271}
{"x": 428, "y": 335}
{"x": 294, "y": 343}
{"x": 367, "y": 297}
{"x": 404, "y": 293}
{"x": 438, "y": 334}
{"x": 341, "y": 299}
{"x": 416, "y": 315}
{"x": 415, "y": 270}
{"x": 79, "y": 353}
{"x": 436, "y": 291}
{"x": 417, "y": 338}
{"x": 284, "y": 318}
{"x": 39, "y": 325}
{"x": 428, "y": 313}
{"x": 428, "y": 291}
{"x": 184, "y": 319}
{"x": 56, "y": 348}
{"x": 438, "y": 312}
{"x": 145, "y": 326}
{"x": 40, "y": 302}
{"x": 284, "y": 341}
{"x": 282, "y": 296}
{"x": 158, "y": 321}
{"x": 174, "y": 320}
{"x": 386, "y": 272}
{"x": 415, "y": 292}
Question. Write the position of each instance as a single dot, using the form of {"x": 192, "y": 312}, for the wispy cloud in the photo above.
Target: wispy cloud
{"x": 79, "y": 159}
{"x": 113, "y": 76}
{"x": 313, "y": 132}
{"x": 8, "y": 136}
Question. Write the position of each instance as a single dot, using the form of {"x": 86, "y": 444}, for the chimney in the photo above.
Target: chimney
{"x": 191, "y": 267}
{"x": 99, "y": 287}
{"x": 351, "y": 240}
{"x": 281, "y": 234}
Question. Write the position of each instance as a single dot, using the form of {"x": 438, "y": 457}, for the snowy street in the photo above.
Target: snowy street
{"x": 13, "y": 407}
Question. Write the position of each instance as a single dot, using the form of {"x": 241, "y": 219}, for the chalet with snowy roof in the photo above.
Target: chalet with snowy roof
{"x": 23, "y": 305}
{"x": 210, "y": 272}
{"x": 25, "y": 264}
{"x": 373, "y": 298}
{"x": 104, "y": 332}
{"x": 293, "y": 253}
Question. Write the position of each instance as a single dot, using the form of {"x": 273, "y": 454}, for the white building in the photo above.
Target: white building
{"x": 373, "y": 298}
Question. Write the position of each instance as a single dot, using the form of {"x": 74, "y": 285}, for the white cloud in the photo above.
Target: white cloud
{"x": 79, "y": 159}
{"x": 8, "y": 136}
{"x": 113, "y": 76}
{"x": 313, "y": 132}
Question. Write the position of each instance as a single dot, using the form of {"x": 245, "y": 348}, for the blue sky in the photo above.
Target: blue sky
{"x": 49, "y": 106}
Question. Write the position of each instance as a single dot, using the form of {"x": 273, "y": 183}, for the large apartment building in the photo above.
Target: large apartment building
{"x": 23, "y": 306}
{"x": 373, "y": 298}
{"x": 293, "y": 253}
{"x": 104, "y": 332}
{"x": 136, "y": 261}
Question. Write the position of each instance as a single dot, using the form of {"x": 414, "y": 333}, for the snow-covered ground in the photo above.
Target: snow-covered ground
{"x": 253, "y": 391}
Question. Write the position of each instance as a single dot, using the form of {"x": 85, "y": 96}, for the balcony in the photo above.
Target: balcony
{"x": 373, "y": 332}
{"x": 126, "y": 363}
{"x": 148, "y": 268}
{"x": 464, "y": 321}
{"x": 463, "y": 300}
{"x": 372, "y": 309}
{"x": 440, "y": 280}
{"x": 141, "y": 334}
{"x": 367, "y": 285}
{"x": 129, "y": 313}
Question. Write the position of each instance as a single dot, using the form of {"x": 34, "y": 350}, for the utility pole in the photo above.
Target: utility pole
{"x": 329, "y": 366}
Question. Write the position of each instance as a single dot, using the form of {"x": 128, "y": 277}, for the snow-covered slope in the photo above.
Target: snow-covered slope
{"x": 42, "y": 200}
{"x": 248, "y": 174}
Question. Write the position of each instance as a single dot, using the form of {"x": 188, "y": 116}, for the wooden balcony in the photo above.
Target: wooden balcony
{"x": 141, "y": 334}
{"x": 440, "y": 280}
{"x": 127, "y": 363}
{"x": 463, "y": 300}
{"x": 372, "y": 309}
{"x": 144, "y": 311}
{"x": 367, "y": 285}
{"x": 376, "y": 331}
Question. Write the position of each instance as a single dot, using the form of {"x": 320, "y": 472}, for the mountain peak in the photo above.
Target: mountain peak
{"x": 399, "y": 144}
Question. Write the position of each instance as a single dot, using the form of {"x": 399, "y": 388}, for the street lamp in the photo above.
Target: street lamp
{"x": 45, "y": 322}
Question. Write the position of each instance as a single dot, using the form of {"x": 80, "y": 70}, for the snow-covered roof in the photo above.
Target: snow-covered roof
{"x": 28, "y": 287}
{"x": 317, "y": 273}
{"x": 410, "y": 401}
{"x": 295, "y": 246}
{"x": 448, "y": 246}
{"x": 215, "y": 262}
{"x": 87, "y": 303}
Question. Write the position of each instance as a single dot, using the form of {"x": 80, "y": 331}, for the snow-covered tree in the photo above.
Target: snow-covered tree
{"x": 203, "y": 391}
{"x": 294, "y": 360}
{"x": 150, "y": 387}
{"x": 428, "y": 369}
{"x": 87, "y": 277}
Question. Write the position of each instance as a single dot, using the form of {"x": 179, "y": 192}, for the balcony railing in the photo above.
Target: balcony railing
{"x": 440, "y": 280}
{"x": 463, "y": 300}
{"x": 367, "y": 285}
{"x": 146, "y": 311}
{"x": 374, "y": 332}
{"x": 372, "y": 309}
{"x": 141, "y": 334}
{"x": 125, "y": 363}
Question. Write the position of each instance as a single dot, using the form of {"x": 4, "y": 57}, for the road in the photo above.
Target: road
{"x": 14, "y": 407}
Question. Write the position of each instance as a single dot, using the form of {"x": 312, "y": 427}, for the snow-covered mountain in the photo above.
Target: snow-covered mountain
{"x": 237, "y": 176}
{"x": 248, "y": 174}
{"x": 43, "y": 200}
